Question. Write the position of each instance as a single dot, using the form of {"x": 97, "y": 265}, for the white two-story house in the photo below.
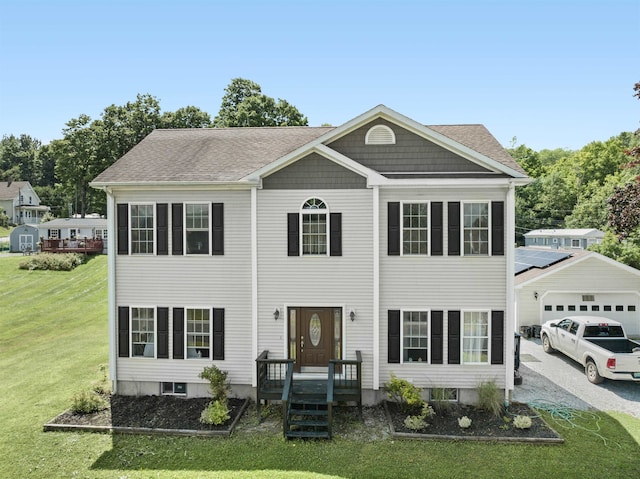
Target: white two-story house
{"x": 382, "y": 235}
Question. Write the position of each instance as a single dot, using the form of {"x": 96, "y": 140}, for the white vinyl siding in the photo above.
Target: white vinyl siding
{"x": 224, "y": 280}
{"x": 316, "y": 281}
{"x": 445, "y": 283}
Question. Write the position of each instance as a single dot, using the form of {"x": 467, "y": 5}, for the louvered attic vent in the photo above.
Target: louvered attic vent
{"x": 380, "y": 135}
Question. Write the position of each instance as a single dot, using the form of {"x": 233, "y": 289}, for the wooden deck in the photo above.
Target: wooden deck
{"x": 85, "y": 246}
{"x": 308, "y": 403}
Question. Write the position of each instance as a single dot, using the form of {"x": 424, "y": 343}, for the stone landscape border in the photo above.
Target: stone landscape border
{"x": 53, "y": 426}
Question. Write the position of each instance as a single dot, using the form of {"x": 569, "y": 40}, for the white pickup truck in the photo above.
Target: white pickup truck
{"x": 599, "y": 344}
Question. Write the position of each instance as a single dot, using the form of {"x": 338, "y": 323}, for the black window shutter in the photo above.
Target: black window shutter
{"x": 437, "y": 318}
{"x": 454, "y": 228}
{"x": 217, "y": 233}
{"x": 178, "y": 333}
{"x": 497, "y": 337}
{"x": 293, "y": 234}
{"x": 218, "y": 333}
{"x": 436, "y": 228}
{"x": 393, "y": 228}
{"x": 335, "y": 240}
{"x": 162, "y": 228}
{"x": 123, "y": 228}
{"x": 176, "y": 228}
{"x": 163, "y": 333}
{"x": 393, "y": 336}
{"x": 497, "y": 228}
{"x": 453, "y": 341}
{"x": 123, "y": 331}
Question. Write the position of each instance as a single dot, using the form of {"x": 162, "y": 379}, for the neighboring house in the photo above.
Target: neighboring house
{"x": 21, "y": 203}
{"x": 564, "y": 238}
{"x": 23, "y": 238}
{"x": 562, "y": 283}
{"x": 382, "y": 236}
{"x": 73, "y": 233}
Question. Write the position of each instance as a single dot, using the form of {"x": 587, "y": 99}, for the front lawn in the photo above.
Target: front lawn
{"x": 53, "y": 340}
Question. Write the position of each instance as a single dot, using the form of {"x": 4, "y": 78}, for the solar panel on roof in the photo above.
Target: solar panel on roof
{"x": 526, "y": 259}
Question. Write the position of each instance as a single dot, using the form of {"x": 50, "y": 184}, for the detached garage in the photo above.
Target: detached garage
{"x": 551, "y": 285}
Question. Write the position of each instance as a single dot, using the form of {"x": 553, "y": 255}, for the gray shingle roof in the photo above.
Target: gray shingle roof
{"x": 9, "y": 191}
{"x": 206, "y": 154}
{"x": 229, "y": 154}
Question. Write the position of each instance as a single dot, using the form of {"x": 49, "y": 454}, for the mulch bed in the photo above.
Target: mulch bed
{"x": 152, "y": 412}
{"x": 484, "y": 425}
{"x": 176, "y": 415}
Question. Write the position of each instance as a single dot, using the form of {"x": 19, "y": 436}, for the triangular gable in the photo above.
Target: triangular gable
{"x": 572, "y": 262}
{"x": 408, "y": 124}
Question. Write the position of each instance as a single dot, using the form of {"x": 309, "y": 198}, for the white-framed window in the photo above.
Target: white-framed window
{"x": 198, "y": 333}
{"x": 475, "y": 224}
{"x": 575, "y": 243}
{"x": 54, "y": 234}
{"x": 380, "y": 135}
{"x": 443, "y": 394}
{"x": 73, "y": 233}
{"x": 415, "y": 228}
{"x": 475, "y": 337}
{"x": 142, "y": 228}
{"x": 415, "y": 336}
{"x": 173, "y": 389}
{"x": 101, "y": 234}
{"x": 314, "y": 217}
{"x": 197, "y": 226}
{"x": 143, "y": 337}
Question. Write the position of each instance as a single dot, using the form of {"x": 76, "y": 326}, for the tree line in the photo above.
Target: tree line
{"x": 597, "y": 186}
{"x": 62, "y": 170}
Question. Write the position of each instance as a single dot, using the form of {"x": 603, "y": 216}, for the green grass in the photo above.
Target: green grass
{"x": 53, "y": 339}
{"x": 5, "y": 231}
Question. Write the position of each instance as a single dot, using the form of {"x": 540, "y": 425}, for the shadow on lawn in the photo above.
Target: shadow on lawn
{"x": 260, "y": 447}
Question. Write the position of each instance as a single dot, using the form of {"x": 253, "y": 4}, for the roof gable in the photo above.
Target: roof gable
{"x": 246, "y": 155}
{"x": 11, "y": 190}
{"x": 577, "y": 257}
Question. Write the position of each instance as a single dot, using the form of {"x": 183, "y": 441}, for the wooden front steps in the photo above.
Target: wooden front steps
{"x": 308, "y": 412}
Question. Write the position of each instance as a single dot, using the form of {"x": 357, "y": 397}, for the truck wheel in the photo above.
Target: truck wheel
{"x": 591, "y": 370}
{"x": 546, "y": 345}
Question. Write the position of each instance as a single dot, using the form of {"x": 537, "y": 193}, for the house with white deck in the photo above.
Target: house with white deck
{"x": 381, "y": 243}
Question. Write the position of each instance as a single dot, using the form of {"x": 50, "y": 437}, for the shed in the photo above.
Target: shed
{"x": 23, "y": 238}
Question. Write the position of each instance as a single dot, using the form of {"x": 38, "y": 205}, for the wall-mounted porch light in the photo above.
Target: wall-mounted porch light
{"x": 276, "y": 314}
{"x": 352, "y": 314}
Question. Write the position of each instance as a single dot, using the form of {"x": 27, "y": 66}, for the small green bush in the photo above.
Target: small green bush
{"x": 52, "y": 262}
{"x": 415, "y": 423}
{"x": 217, "y": 382}
{"x": 464, "y": 422}
{"x": 215, "y": 413}
{"x": 522, "y": 422}
{"x": 490, "y": 398}
{"x": 404, "y": 393}
{"x": 87, "y": 402}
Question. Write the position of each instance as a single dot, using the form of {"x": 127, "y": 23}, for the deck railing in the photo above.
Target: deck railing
{"x": 87, "y": 245}
{"x": 345, "y": 381}
{"x": 271, "y": 376}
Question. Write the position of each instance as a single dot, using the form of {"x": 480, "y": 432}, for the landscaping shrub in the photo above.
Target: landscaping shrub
{"x": 490, "y": 398}
{"x": 404, "y": 393}
{"x": 522, "y": 422}
{"x": 52, "y": 262}
{"x": 87, "y": 402}
{"x": 215, "y": 413}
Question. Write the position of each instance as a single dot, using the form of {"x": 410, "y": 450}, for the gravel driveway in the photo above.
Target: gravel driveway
{"x": 558, "y": 379}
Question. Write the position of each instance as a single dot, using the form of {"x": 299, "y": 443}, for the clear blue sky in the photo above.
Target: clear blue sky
{"x": 553, "y": 73}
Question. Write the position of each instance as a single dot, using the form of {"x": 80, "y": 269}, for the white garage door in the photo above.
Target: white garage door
{"x": 623, "y": 307}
